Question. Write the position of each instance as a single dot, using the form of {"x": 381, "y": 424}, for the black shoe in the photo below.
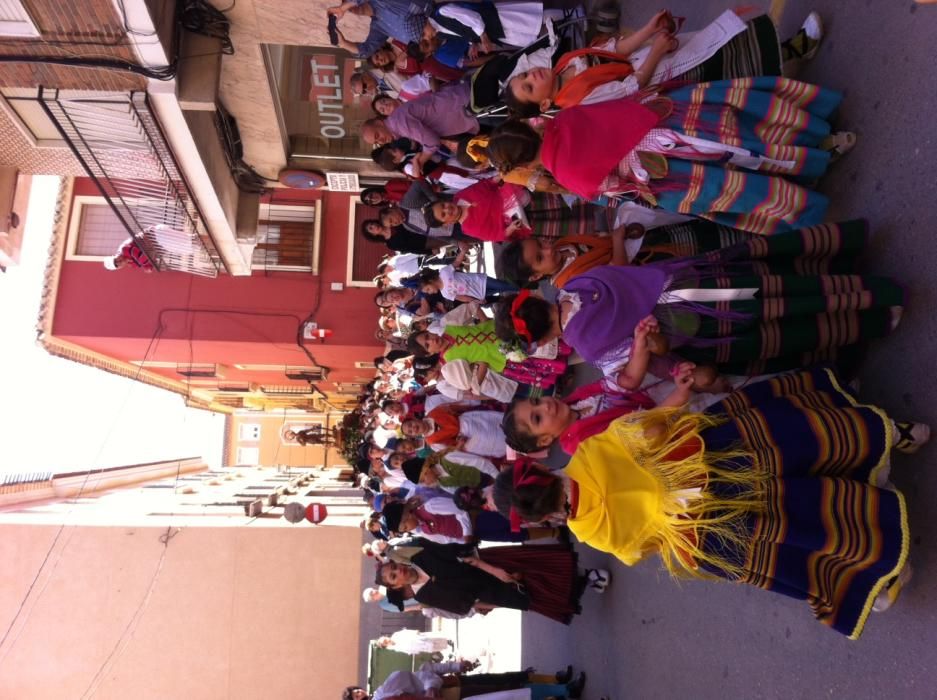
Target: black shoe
{"x": 564, "y": 676}
{"x": 574, "y": 688}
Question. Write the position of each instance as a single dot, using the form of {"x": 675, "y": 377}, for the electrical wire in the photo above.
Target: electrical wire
{"x": 160, "y": 73}
{"x": 127, "y": 634}
{"x": 121, "y": 644}
{"x": 196, "y": 16}
{"x": 58, "y": 534}
{"x": 201, "y": 18}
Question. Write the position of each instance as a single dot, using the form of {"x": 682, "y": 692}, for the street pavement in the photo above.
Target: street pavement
{"x": 650, "y": 637}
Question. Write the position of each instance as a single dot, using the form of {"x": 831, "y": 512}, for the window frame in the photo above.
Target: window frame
{"x": 350, "y": 257}
{"x": 24, "y": 27}
{"x": 74, "y": 228}
{"x": 313, "y": 267}
{"x": 244, "y": 451}
{"x": 254, "y": 428}
{"x": 306, "y": 374}
{"x": 6, "y": 105}
{"x": 197, "y": 374}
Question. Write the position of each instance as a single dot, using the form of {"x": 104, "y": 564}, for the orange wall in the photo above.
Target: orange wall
{"x": 273, "y": 450}
{"x": 234, "y": 613}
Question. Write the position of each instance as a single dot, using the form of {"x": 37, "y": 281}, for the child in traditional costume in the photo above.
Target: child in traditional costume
{"x": 535, "y": 424}
{"x": 715, "y": 151}
{"x": 450, "y": 470}
{"x": 461, "y": 427}
{"x": 440, "y": 520}
{"x": 441, "y": 578}
{"x": 489, "y": 211}
{"x": 742, "y": 315}
{"x": 728, "y": 48}
{"x": 781, "y": 486}
{"x": 815, "y": 250}
{"x": 479, "y": 344}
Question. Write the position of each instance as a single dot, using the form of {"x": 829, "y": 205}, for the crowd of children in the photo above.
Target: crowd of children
{"x": 651, "y": 202}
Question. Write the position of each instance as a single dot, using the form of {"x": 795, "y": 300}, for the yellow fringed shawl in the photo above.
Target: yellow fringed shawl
{"x": 639, "y": 495}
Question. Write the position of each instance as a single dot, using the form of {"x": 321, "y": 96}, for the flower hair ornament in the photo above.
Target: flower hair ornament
{"x": 520, "y": 326}
{"x": 526, "y": 473}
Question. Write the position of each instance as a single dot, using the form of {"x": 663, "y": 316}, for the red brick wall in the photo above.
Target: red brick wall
{"x": 89, "y": 28}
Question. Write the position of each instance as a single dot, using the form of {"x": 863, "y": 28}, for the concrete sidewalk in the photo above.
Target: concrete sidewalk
{"x": 649, "y": 637}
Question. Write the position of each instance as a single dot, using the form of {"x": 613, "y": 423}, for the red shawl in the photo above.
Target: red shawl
{"x": 584, "y": 144}
{"x": 486, "y": 219}
{"x": 396, "y": 189}
{"x": 447, "y": 426}
{"x": 577, "y": 88}
{"x": 599, "y": 253}
{"x": 595, "y": 424}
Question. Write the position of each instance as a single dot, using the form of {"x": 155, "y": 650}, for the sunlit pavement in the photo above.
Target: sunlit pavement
{"x": 648, "y": 637}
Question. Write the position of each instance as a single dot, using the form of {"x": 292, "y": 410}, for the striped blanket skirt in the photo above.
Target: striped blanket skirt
{"x": 756, "y": 51}
{"x": 807, "y": 306}
{"x": 826, "y": 535}
{"x": 814, "y": 250}
{"x": 551, "y": 217}
{"x": 775, "y": 118}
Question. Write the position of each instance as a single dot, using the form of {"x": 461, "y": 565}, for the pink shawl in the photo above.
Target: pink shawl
{"x": 585, "y": 143}
{"x": 487, "y": 218}
{"x": 595, "y": 424}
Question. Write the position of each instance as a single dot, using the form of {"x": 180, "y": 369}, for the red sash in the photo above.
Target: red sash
{"x": 579, "y": 86}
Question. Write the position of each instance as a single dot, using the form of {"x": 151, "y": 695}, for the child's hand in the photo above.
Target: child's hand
{"x": 664, "y": 43}
{"x": 513, "y": 227}
{"x": 683, "y": 376}
{"x": 646, "y": 325}
{"x": 658, "y": 22}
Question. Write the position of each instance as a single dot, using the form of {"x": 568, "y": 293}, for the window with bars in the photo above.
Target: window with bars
{"x": 242, "y": 387}
{"x": 284, "y": 390}
{"x": 306, "y": 373}
{"x": 205, "y": 370}
{"x": 100, "y": 232}
{"x": 366, "y": 255}
{"x": 285, "y": 235}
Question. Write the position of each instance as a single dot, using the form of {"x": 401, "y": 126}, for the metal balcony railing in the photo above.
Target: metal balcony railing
{"x": 120, "y": 145}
